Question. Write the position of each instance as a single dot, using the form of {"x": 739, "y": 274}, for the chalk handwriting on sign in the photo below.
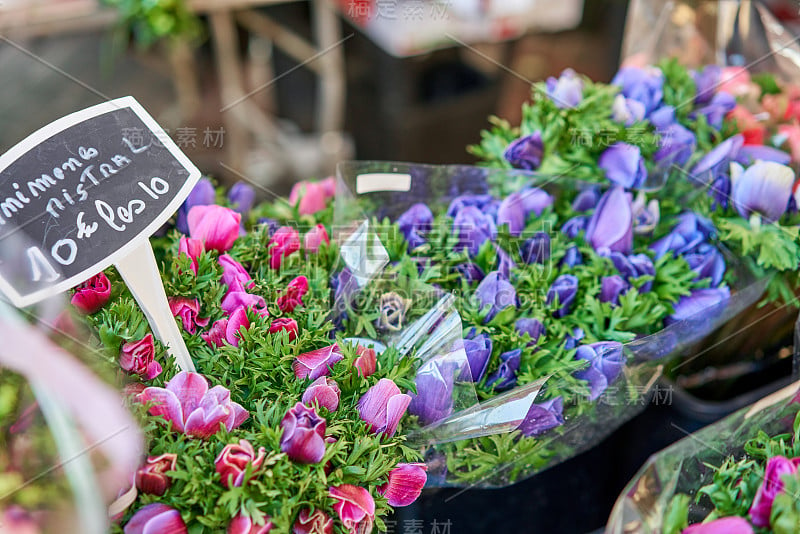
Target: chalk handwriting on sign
{"x": 81, "y": 193}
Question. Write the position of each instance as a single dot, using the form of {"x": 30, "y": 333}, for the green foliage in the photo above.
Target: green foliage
{"x": 152, "y": 20}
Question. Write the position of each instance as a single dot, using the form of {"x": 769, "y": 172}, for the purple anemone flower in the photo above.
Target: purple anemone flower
{"x": 645, "y": 85}
{"x": 474, "y": 228}
{"x": 495, "y": 291}
{"x": 624, "y": 165}
{"x": 434, "y": 398}
{"x": 707, "y": 262}
{"x": 506, "y": 375}
{"x": 202, "y": 194}
{"x": 536, "y": 249}
{"x": 479, "y": 350}
{"x": 719, "y": 106}
{"x": 701, "y": 301}
{"x": 611, "y": 287}
{"x": 716, "y": 162}
{"x": 542, "y": 417}
{"x": 564, "y": 289}
{"x": 533, "y": 327}
{"x": 627, "y": 110}
{"x": 415, "y": 220}
{"x": 525, "y": 152}
{"x": 567, "y": 90}
{"x": 586, "y": 199}
{"x": 676, "y": 145}
{"x": 764, "y": 188}
{"x": 611, "y": 225}
{"x": 706, "y": 81}
{"x": 606, "y": 361}
{"x": 575, "y": 226}
{"x": 751, "y": 153}
{"x": 572, "y": 257}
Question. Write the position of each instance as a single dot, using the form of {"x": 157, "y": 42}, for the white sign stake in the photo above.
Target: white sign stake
{"x": 85, "y": 192}
{"x": 140, "y": 272}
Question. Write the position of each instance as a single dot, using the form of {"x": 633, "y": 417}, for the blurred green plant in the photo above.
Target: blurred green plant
{"x": 149, "y": 21}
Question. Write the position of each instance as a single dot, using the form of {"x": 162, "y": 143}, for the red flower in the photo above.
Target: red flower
{"x": 156, "y": 517}
{"x": 366, "y": 361}
{"x": 325, "y": 392}
{"x": 355, "y": 506}
{"x": 314, "y": 238}
{"x": 151, "y": 477}
{"x": 284, "y": 323}
{"x": 293, "y": 297}
{"x": 405, "y": 484}
{"x": 227, "y": 329}
{"x": 313, "y": 523}
{"x": 232, "y": 462}
{"x": 303, "y": 438}
{"x": 285, "y": 241}
{"x": 187, "y": 310}
{"x": 242, "y": 524}
{"x": 92, "y": 294}
{"x": 191, "y": 248}
{"x": 138, "y": 357}
{"x": 216, "y": 226}
{"x": 382, "y": 406}
{"x": 316, "y": 363}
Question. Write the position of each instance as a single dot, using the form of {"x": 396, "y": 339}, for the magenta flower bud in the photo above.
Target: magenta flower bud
{"x": 317, "y": 522}
{"x": 237, "y": 297}
{"x": 227, "y": 330}
{"x": 242, "y": 196}
{"x": 303, "y": 438}
{"x": 138, "y": 357}
{"x": 187, "y": 311}
{"x": 151, "y": 477}
{"x": 312, "y": 196}
{"x": 217, "y": 227}
{"x": 242, "y": 524}
{"x": 92, "y": 294}
{"x": 284, "y": 324}
{"x": 215, "y": 337}
{"x": 611, "y": 225}
{"x": 156, "y": 517}
{"x": 723, "y": 525}
{"x": 284, "y": 241}
{"x": 542, "y": 417}
{"x": 366, "y": 362}
{"x": 382, "y": 407}
{"x": 525, "y": 152}
{"x": 202, "y": 194}
{"x": 193, "y": 408}
{"x": 624, "y": 165}
{"x": 293, "y": 296}
{"x": 233, "y": 271}
{"x": 325, "y": 392}
{"x": 355, "y": 507}
{"x": 191, "y": 248}
{"x": 777, "y": 467}
{"x": 232, "y": 462}
{"x": 316, "y": 363}
{"x": 405, "y": 484}
{"x": 314, "y": 238}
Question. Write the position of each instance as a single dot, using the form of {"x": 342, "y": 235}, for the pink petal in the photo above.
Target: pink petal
{"x": 205, "y": 423}
{"x": 156, "y": 518}
{"x": 394, "y": 412}
{"x": 167, "y": 405}
{"x": 405, "y": 484}
{"x": 354, "y": 504}
{"x": 189, "y": 388}
{"x": 153, "y": 370}
{"x": 237, "y": 320}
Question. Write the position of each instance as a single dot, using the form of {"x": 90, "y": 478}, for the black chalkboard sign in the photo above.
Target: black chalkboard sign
{"x": 81, "y": 193}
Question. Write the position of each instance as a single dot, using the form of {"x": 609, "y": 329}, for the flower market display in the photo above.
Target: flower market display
{"x": 360, "y": 340}
{"x": 737, "y": 476}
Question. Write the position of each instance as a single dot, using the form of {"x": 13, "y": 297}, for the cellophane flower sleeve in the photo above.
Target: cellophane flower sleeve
{"x": 550, "y": 361}
{"x": 683, "y": 477}
{"x": 739, "y": 33}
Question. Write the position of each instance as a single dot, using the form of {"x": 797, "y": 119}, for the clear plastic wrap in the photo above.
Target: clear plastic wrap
{"x": 69, "y": 444}
{"x": 687, "y": 465}
{"x": 739, "y": 33}
{"x": 372, "y": 191}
